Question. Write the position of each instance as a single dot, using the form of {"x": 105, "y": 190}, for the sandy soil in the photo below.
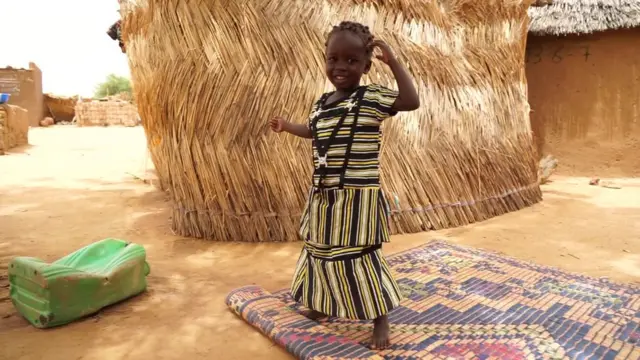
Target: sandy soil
{"x": 596, "y": 157}
{"x": 74, "y": 186}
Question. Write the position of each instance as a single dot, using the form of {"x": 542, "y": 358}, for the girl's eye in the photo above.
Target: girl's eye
{"x": 352, "y": 61}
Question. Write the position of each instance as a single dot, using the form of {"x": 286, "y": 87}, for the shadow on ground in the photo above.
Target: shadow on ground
{"x": 183, "y": 312}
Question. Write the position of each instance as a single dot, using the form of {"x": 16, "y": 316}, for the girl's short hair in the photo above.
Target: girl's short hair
{"x": 356, "y": 28}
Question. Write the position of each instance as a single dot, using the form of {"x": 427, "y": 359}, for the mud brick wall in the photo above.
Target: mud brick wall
{"x": 25, "y": 88}
{"x": 105, "y": 113}
{"x": 14, "y": 127}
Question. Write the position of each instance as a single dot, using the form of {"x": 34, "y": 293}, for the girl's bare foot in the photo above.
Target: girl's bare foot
{"x": 380, "y": 333}
{"x": 314, "y": 315}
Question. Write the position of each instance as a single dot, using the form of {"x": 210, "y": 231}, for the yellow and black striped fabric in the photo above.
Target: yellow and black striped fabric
{"x": 348, "y": 282}
{"x": 346, "y": 217}
{"x": 353, "y": 212}
{"x": 363, "y": 166}
{"x": 341, "y": 271}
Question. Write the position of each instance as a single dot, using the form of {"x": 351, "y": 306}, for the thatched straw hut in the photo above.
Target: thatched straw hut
{"x": 583, "y": 67}
{"x": 209, "y": 74}
{"x": 563, "y": 17}
{"x": 60, "y": 108}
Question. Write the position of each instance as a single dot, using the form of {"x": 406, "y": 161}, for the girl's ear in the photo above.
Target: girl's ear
{"x": 367, "y": 67}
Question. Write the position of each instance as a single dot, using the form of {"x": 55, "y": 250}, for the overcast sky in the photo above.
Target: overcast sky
{"x": 66, "y": 38}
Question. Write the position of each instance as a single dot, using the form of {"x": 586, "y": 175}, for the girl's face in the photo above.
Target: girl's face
{"x": 346, "y": 60}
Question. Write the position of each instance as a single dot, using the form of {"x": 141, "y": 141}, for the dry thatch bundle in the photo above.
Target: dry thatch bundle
{"x": 208, "y": 74}
{"x": 104, "y": 113}
{"x": 583, "y": 16}
{"x": 61, "y": 108}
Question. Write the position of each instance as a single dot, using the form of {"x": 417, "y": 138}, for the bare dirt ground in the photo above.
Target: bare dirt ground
{"x": 71, "y": 187}
{"x": 597, "y": 157}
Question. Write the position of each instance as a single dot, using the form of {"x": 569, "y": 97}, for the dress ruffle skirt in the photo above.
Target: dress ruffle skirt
{"x": 341, "y": 271}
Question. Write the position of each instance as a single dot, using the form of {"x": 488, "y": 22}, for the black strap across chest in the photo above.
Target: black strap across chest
{"x": 323, "y": 148}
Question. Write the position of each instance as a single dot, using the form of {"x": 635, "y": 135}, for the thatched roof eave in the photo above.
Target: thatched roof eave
{"x": 563, "y": 17}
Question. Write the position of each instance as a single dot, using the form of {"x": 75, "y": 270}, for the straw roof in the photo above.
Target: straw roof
{"x": 563, "y": 17}
{"x": 208, "y": 74}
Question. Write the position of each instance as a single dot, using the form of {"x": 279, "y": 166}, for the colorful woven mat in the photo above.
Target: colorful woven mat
{"x": 463, "y": 303}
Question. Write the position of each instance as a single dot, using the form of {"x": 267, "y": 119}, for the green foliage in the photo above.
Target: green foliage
{"x": 113, "y": 85}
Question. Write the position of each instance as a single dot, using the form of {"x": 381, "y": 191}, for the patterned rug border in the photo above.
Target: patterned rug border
{"x": 489, "y": 254}
{"x": 280, "y": 319}
{"x": 504, "y": 258}
{"x": 249, "y": 302}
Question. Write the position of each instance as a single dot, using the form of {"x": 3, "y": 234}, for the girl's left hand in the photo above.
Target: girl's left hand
{"x": 387, "y": 53}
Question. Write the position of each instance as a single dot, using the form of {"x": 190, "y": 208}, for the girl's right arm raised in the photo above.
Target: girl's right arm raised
{"x": 279, "y": 124}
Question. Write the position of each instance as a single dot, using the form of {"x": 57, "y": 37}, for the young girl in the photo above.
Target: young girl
{"x": 341, "y": 271}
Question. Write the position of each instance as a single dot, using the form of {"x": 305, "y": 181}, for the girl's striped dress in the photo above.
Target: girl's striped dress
{"x": 341, "y": 271}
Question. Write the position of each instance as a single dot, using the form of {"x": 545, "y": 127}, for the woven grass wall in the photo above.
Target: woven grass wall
{"x": 208, "y": 74}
